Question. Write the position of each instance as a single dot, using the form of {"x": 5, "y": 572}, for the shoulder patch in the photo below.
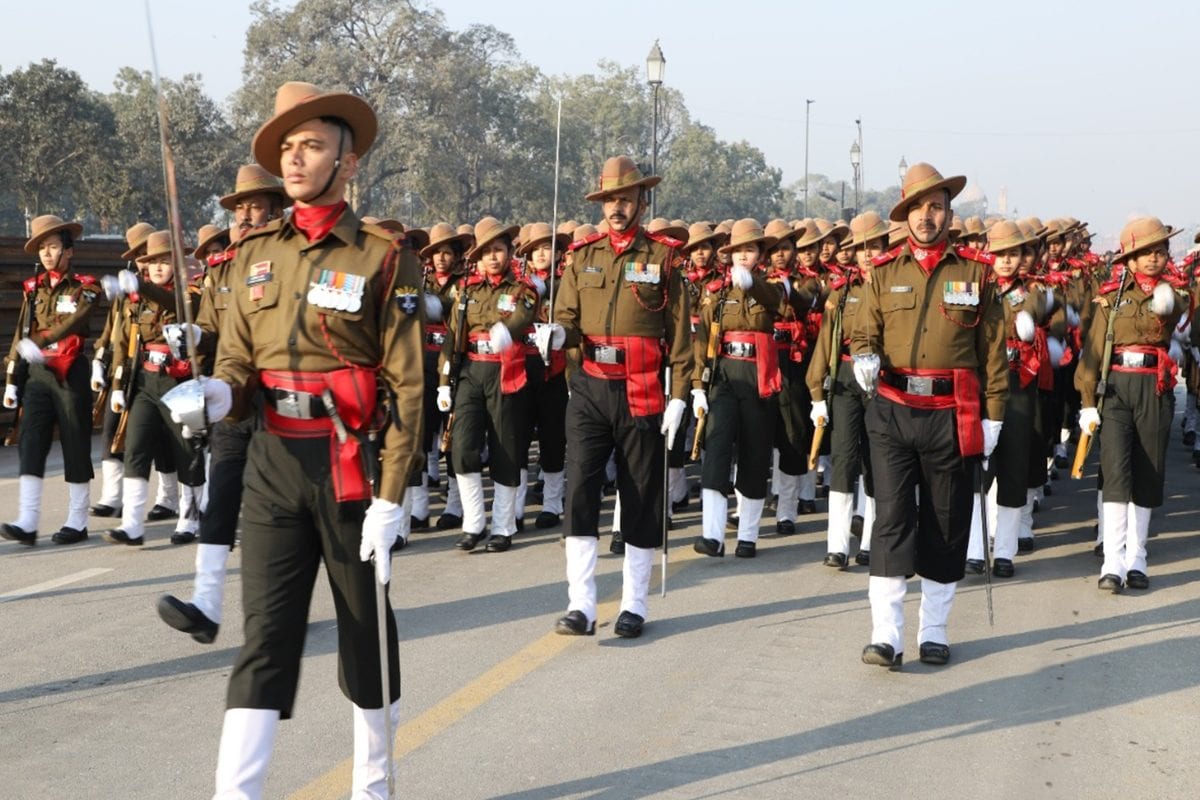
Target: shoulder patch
{"x": 972, "y": 254}
{"x": 595, "y": 237}
{"x": 662, "y": 238}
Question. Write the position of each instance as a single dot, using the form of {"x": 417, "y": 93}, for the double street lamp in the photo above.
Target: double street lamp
{"x": 656, "y": 67}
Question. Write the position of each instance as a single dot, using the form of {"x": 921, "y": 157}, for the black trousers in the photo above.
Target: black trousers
{"x": 228, "y": 443}
{"x": 46, "y": 404}
{"x": 740, "y": 423}
{"x": 292, "y": 523}
{"x": 482, "y": 413}
{"x": 923, "y": 493}
{"x": 164, "y": 457}
{"x": 1135, "y": 427}
{"x": 150, "y": 427}
{"x": 793, "y": 425}
{"x": 547, "y": 415}
{"x": 1018, "y": 462}
{"x": 599, "y": 423}
{"x": 849, "y": 445}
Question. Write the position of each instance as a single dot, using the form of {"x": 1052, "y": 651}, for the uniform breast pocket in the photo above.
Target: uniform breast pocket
{"x": 961, "y": 315}
{"x": 650, "y": 295}
{"x": 337, "y": 313}
{"x": 263, "y": 295}
{"x": 589, "y": 281}
{"x": 897, "y": 301}
{"x": 221, "y": 298}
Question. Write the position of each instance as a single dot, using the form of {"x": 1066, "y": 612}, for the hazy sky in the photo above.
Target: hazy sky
{"x": 1078, "y": 108}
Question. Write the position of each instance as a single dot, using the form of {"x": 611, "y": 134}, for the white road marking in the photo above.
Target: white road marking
{"x": 54, "y": 584}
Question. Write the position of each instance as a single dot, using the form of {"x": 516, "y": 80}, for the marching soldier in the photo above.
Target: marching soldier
{"x": 930, "y": 340}
{"x": 491, "y": 310}
{"x": 1017, "y": 464}
{"x": 324, "y": 326}
{"x": 619, "y": 301}
{"x": 838, "y": 400}
{"x": 1139, "y": 308}
{"x": 257, "y": 198}
{"x": 47, "y": 376}
{"x": 736, "y": 343}
{"x": 151, "y": 366}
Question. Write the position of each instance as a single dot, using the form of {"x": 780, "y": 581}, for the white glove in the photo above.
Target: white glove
{"x": 10, "y": 396}
{"x": 1184, "y": 335}
{"x": 991, "y": 435}
{"x": 98, "y": 381}
{"x": 381, "y": 526}
{"x": 671, "y": 419}
{"x": 128, "y": 280}
{"x": 866, "y": 372}
{"x": 699, "y": 403}
{"x": 549, "y": 336}
{"x": 1089, "y": 420}
{"x": 112, "y": 287}
{"x": 433, "y": 307}
{"x": 1056, "y": 349}
{"x": 1072, "y": 317}
{"x": 1175, "y": 351}
{"x": 175, "y": 334}
{"x": 1025, "y": 326}
{"x": 443, "y": 399}
{"x": 29, "y": 351}
{"x": 1162, "y": 302}
{"x": 741, "y": 277}
{"x": 819, "y": 414}
{"x": 538, "y": 284}
{"x": 218, "y": 401}
{"x": 501, "y": 338}
{"x": 1050, "y": 299}
{"x": 116, "y": 401}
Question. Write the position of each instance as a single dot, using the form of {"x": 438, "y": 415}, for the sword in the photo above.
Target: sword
{"x": 554, "y": 230}
{"x": 385, "y": 677}
{"x": 987, "y": 553}
{"x": 666, "y": 486}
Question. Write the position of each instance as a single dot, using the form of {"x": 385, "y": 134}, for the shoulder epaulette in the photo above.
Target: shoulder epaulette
{"x": 973, "y": 254}
{"x": 30, "y": 283}
{"x": 1111, "y": 285}
{"x": 217, "y": 259}
{"x": 86, "y": 280}
{"x": 715, "y": 285}
{"x": 839, "y": 282}
{"x": 261, "y": 230}
{"x": 472, "y": 280}
{"x": 890, "y": 255}
{"x": 595, "y": 237}
{"x": 382, "y": 232}
{"x": 662, "y": 238}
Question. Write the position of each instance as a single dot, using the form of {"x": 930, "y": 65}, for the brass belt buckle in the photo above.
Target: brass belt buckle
{"x": 920, "y": 385}
{"x": 156, "y": 358}
{"x": 287, "y": 403}
{"x": 604, "y": 354}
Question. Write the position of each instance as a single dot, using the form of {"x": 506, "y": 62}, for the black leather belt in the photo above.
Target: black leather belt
{"x": 296, "y": 405}
{"x": 604, "y": 354}
{"x": 1135, "y": 360}
{"x": 738, "y": 349}
{"x": 435, "y": 337}
{"x": 483, "y": 347}
{"x": 919, "y": 385}
{"x": 782, "y": 335}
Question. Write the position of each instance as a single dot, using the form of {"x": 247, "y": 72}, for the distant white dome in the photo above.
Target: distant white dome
{"x": 972, "y": 194}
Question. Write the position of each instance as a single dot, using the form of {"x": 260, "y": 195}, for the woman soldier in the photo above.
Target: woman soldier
{"x": 837, "y": 398}
{"x": 161, "y": 363}
{"x": 1016, "y": 465}
{"x": 48, "y": 347}
{"x": 1140, "y": 309}
{"x": 740, "y": 308}
{"x": 547, "y": 388}
{"x": 443, "y": 266}
{"x": 490, "y": 310}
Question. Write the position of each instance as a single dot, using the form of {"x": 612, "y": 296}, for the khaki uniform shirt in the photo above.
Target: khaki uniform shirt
{"x": 824, "y": 348}
{"x": 948, "y": 320}
{"x": 271, "y": 325}
{"x": 155, "y": 308}
{"x": 632, "y": 294}
{"x": 510, "y": 300}
{"x": 58, "y": 311}
{"x": 754, "y": 309}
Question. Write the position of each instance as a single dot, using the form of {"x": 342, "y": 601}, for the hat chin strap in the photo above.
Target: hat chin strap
{"x": 337, "y": 165}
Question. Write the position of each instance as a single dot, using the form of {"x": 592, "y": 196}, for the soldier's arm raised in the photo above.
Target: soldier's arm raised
{"x": 76, "y": 323}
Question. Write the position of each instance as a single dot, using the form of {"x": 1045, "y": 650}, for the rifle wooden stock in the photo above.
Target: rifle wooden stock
{"x": 698, "y": 439}
{"x": 446, "y": 436}
{"x": 814, "y": 452}
{"x": 118, "y": 442}
{"x": 99, "y": 407}
{"x": 15, "y": 430}
{"x": 1081, "y": 453}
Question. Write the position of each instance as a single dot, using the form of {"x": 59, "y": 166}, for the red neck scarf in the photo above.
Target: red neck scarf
{"x": 1146, "y": 282}
{"x": 928, "y": 256}
{"x": 315, "y": 222}
{"x": 620, "y": 240}
{"x": 495, "y": 280}
{"x": 54, "y": 277}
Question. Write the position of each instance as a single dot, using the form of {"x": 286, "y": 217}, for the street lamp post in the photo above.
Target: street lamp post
{"x": 656, "y": 67}
{"x": 855, "y": 161}
{"x": 903, "y": 170}
{"x": 807, "y": 103}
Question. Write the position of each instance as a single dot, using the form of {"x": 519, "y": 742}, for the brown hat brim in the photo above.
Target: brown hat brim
{"x": 649, "y": 182}
{"x": 353, "y": 110}
{"x": 690, "y": 245}
{"x": 954, "y": 184}
{"x": 511, "y": 231}
{"x": 462, "y": 238}
{"x": 229, "y": 202}
{"x": 209, "y": 239}
{"x": 1146, "y": 245}
{"x": 767, "y": 243}
{"x": 73, "y": 228}
{"x": 561, "y": 242}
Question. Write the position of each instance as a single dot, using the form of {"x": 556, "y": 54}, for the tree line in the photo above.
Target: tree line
{"x": 467, "y": 128}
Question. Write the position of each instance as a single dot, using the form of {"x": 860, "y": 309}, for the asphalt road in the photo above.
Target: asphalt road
{"x": 747, "y": 683}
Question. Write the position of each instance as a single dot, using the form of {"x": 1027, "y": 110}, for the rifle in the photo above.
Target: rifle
{"x": 711, "y": 356}
{"x": 19, "y": 372}
{"x": 455, "y": 365}
{"x": 830, "y": 381}
{"x": 1085, "y": 437}
{"x": 133, "y": 358}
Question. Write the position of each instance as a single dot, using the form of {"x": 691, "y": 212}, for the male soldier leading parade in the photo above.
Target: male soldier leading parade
{"x": 619, "y": 303}
{"x": 324, "y": 310}
{"x": 930, "y": 339}
{"x": 257, "y": 198}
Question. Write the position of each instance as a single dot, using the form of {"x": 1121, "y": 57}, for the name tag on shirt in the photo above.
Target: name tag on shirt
{"x": 961, "y": 293}
{"x": 637, "y": 272}
{"x": 593, "y": 270}
{"x": 900, "y": 289}
{"x": 65, "y": 305}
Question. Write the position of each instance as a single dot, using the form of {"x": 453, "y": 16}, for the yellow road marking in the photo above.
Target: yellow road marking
{"x": 445, "y": 713}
